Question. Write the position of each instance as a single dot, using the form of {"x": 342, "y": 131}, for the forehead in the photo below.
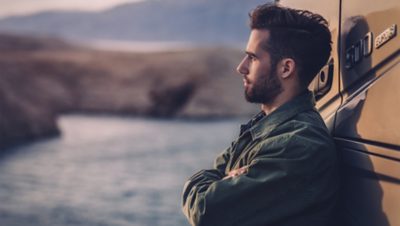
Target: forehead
{"x": 257, "y": 40}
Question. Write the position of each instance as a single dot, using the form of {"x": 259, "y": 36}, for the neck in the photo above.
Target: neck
{"x": 281, "y": 99}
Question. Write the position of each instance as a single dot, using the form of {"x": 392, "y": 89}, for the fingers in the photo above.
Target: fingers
{"x": 237, "y": 172}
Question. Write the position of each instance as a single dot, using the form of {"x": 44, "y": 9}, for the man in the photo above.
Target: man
{"x": 281, "y": 170}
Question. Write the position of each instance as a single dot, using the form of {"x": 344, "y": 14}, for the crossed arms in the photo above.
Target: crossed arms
{"x": 274, "y": 185}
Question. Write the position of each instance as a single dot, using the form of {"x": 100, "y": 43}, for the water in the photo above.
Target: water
{"x": 138, "y": 46}
{"x": 152, "y": 46}
{"x": 108, "y": 171}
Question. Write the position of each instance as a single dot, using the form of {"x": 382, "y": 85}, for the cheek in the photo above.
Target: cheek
{"x": 257, "y": 70}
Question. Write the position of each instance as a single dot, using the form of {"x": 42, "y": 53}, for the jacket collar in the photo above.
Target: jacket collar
{"x": 300, "y": 103}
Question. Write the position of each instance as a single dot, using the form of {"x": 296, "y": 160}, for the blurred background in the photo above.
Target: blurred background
{"x": 108, "y": 106}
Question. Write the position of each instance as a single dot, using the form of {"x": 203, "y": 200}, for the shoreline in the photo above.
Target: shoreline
{"x": 5, "y": 148}
{"x": 42, "y": 79}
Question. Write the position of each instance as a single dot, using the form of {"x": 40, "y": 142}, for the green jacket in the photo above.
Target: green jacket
{"x": 291, "y": 180}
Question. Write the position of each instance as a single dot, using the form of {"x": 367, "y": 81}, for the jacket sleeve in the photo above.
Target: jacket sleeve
{"x": 221, "y": 162}
{"x": 274, "y": 186}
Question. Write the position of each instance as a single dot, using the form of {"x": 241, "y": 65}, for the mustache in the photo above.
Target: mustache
{"x": 246, "y": 79}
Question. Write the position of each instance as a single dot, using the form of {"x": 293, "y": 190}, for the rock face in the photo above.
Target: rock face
{"x": 43, "y": 78}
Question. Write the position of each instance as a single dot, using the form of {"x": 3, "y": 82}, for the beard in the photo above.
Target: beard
{"x": 264, "y": 89}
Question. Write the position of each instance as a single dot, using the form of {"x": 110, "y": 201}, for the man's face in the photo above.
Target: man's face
{"x": 261, "y": 82}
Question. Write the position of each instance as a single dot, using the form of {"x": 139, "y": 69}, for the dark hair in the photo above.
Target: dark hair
{"x": 298, "y": 34}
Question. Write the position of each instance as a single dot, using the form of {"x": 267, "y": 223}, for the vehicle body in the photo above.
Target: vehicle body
{"x": 358, "y": 95}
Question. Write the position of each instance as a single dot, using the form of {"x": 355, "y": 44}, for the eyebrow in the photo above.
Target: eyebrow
{"x": 251, "y": 54}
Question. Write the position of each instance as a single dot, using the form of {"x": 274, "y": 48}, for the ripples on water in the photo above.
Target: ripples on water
{"x": 108, "y": 171}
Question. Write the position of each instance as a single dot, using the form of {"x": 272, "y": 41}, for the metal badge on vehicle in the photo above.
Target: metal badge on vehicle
{"x": 355, "y": 53}
{"x": 385, "y": 36}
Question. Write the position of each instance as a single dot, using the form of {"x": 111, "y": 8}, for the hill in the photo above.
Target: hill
{"x": 200, "y": 21}
{"x": 43, "y": 78}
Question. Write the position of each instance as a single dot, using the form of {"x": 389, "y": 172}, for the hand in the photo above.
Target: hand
{"x": 237, "y": 172}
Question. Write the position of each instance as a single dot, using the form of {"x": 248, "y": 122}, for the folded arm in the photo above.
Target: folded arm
{"x": 269, "y": 184}
{"x": 272, "y": 187}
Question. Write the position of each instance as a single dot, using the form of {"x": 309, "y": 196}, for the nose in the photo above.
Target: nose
{"x": 243, "y": 67}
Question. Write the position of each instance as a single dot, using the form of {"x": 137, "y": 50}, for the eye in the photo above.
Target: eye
{"x": 251, "y": 57}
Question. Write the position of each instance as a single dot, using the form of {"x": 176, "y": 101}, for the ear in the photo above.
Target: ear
{"x": 287, "y": 68}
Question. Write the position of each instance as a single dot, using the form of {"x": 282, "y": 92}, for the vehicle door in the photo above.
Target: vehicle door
{"x": 367, "y": 126}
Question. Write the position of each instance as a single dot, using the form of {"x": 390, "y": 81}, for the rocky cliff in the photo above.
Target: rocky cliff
{"x": 41, "y": 78}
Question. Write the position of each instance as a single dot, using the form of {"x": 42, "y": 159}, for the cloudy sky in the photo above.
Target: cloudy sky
{"x": 18, "y": 7}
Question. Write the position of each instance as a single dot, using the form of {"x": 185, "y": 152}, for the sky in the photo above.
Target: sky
{"x": 21, "y": 7}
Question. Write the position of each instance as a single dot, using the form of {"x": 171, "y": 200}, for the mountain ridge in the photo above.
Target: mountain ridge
{"x": 205, "y": 21}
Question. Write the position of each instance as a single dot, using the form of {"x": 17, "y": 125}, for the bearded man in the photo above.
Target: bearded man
{"x": 282, "y": 169}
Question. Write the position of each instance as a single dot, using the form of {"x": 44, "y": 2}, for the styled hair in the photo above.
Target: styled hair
{"x": 298, "y": 34}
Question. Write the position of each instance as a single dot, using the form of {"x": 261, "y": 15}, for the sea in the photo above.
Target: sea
{"x": 109, "y": 170}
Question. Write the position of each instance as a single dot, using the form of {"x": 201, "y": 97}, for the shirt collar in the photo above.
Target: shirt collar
{"x": 300, "y": 103}
{"x": 251, "y": 123}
